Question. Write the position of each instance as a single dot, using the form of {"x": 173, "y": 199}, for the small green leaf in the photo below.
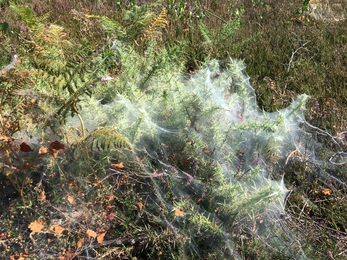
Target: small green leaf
{"x": 4, "y": 27}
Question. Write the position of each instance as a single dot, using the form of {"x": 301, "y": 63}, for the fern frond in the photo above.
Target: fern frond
{"x": 25, "y": 13}
{"x": 138, "y": 16}
{"x": 70, "y": 105}
{"x": 153, "y": 30}
{"x": 105, "y": 138}
{"x": 111, "y": 26}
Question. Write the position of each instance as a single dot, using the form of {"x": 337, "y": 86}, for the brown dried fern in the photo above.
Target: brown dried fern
{"x": 154, "y": 29}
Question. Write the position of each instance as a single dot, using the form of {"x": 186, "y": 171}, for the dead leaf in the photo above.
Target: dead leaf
{"x": 24, "y": 255}
{"x": 3, "y": 236}
{"x": 206, "y": 151}
{"x": 91, "y": 233}
{"x": 27, "y": 166}
{"x": 43, "y": 195}
{"x": 21, "y": 256}
{"x": 100, "y": 237}
{"x": 55, "y": 147}
{"x": 69, "y": 255}
{"x": 239, "y": 116}
{"x": 71, "y": 200}
{"x": 111, "y": 198}
{"x": 80, "y": 242}
{"x": 117, "y": 166}
{"x": 43, "y": 150}
{"x": 179, "y": 212}
{"x": 35, "y": 226}
{"x": 327, "y": 192}
{"x": 109, "y": 216}
{"x": 24, "y": 147}
{"x": 27, "y": 181}
{"x": 139, "y": 205}
{"x": 123, "y": 180}
{"x": 57, "y": 229}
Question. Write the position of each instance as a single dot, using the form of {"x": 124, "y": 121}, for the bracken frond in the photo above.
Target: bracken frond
{"x": 12, "y": 107}
{"x": 153, "y": 30}
{"x": 105, "y": 138}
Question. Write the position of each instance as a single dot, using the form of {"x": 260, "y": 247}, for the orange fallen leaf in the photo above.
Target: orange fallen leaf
{"x": 35, "y": 226}
{"x": 111, "y": 198}
{"x": 117, "y": 165}
{"x": 327, "y": 192}
{"x": 100, "y": 237}
{"x": 43, "y": 150}
{"x": 91, "y": 233}
{"x": 179, "y": 212}
{"x": 80, "y": 242}
{"x": 43, "y": 195}
{"x": 57, "y": 229}
{"x": 71, "y": 200}
{"x": 139, "y": 205}
{"x": 24, "y": 147}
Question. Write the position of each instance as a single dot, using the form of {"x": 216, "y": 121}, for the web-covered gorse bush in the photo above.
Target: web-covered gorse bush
{"x": 210, "y": 153}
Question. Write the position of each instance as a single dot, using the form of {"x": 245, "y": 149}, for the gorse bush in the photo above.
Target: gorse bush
{"x": 208, "y": 149}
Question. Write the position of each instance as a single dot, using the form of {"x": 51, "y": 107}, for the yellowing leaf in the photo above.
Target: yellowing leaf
{"x": 57, "y": 229}
{"x": 35, "y": 226}
{"x": 91, "y": 233}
